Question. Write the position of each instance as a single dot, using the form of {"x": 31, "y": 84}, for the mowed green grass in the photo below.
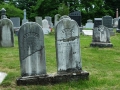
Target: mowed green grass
{"x": 103, "y": 64}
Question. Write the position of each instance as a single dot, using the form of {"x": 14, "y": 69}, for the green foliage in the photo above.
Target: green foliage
{"x": 63, "y": 9}
{"x": 11, "y": 10}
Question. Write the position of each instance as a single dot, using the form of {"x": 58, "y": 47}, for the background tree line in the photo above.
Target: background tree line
{"x": 89, "y": 9}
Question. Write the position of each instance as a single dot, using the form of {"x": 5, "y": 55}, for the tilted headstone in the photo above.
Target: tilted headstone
{"x": 101, "y": 37}
{"x": 68, "y": 46}
{"x": 76, "y": 15}
{"x": 89, "y": 24}
{"x": 107, "y": 21}
{"x": 6, "y": 33}
{"x": 49, "y": 19}
{"x": 97, "y": 22}
{"x": 24, "y": 19}
{"x": 118, "y": 29}
{"x": 46, "y": 27}
{"x": 31, "y": 49}
{"x": 38, "y": 20}
{"x": 56, "y": 19}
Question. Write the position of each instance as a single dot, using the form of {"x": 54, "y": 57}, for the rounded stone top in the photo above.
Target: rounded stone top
{"x": 89, "y": 21}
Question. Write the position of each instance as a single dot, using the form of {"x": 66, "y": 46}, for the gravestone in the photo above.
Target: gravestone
{"x": 64, "y": 16}
{"x": 56, "y": 19}
{"x": 31, "y": 49}
{"x": 107, "y": 21}
{"x": 38, "y": 20}
{"x": 115, "y": 22}
{"x": 68, "y": 48}
{"x": 97, "y": 22}
{"x": 24, "y": 19}
{"x": 49, "y": 19}
{"x": 46, "y": 27}
{"x": 32, "y": 55}
{"x": 76, "y": 15}
{"x": 3, "y": 13}
{"x": 101, "y": 37}
{"x": 6, "y": 33}
{"x": 118, "y": 29}
{"x": 16, "y": 24}
{"x": 89, "y": 24}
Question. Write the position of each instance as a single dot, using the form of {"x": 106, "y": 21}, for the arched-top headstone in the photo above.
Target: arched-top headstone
{"x": 67, "y": 46}
{"x": 31, "y": 49}
{"x": 6, "y": 33}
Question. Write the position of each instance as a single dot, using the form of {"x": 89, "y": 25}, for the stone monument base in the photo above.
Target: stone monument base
{"x": 100, "y": 44}
{"x": 118, "y": 30}
{"x": 52, "y": 79}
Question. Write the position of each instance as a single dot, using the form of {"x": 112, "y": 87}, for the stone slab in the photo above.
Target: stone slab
{"x": 87, "y": 32}
{"x": 2, "y": 76}
{"x": 52, "y": 79}
{"x": 99, "y": 44}
{"x": 118, "y": 30}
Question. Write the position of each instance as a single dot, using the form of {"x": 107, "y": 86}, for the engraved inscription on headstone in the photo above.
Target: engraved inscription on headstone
{"x": 6, "y": 33}
{"x": 31, "y": 49}
{"x": 68, "y": 46}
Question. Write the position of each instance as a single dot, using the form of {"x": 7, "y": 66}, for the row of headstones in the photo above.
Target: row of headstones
{"x": 32, "y": 49}
{"x": 105, "y": 20}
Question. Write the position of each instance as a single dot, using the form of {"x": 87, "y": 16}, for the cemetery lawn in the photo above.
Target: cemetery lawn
{"x": 103, "y": 65}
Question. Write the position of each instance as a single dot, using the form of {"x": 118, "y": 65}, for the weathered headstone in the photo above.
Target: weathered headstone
{"x": 3, "y": 13}
{"x": 6, "y": 33}
{"x": 16, "y": 24}
{"x": 68, "y": 48}
{"x": 97, "y": 22}
{"x": 38, "y": 20}
{"x": 107, "y": 21}
{"x": 49, "y": 19}
{"x": 76, "y": 15}
{"x": 46, "y": 27}
{"x": 24, "y": 19}
{"x": 118, "y": 29}
{"x": 89, "y": 24}
{"x": 101, "y": 37}
{"x": 56, "y": 19}
{"x": 31, "y": 49}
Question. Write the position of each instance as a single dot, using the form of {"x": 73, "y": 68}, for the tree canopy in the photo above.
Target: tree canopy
{"x": 89, "y": 9}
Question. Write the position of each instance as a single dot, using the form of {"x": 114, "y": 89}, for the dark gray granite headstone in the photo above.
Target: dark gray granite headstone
{"x": 68, "y": 46}
{"x": 101, "y": 37}
{"x": 76, "y": 15}
{"x": 31, "y": 49}
{"x": 97, "y": 22}
{"x": 107, "y": 21}
{"x": 6, "y": 33}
